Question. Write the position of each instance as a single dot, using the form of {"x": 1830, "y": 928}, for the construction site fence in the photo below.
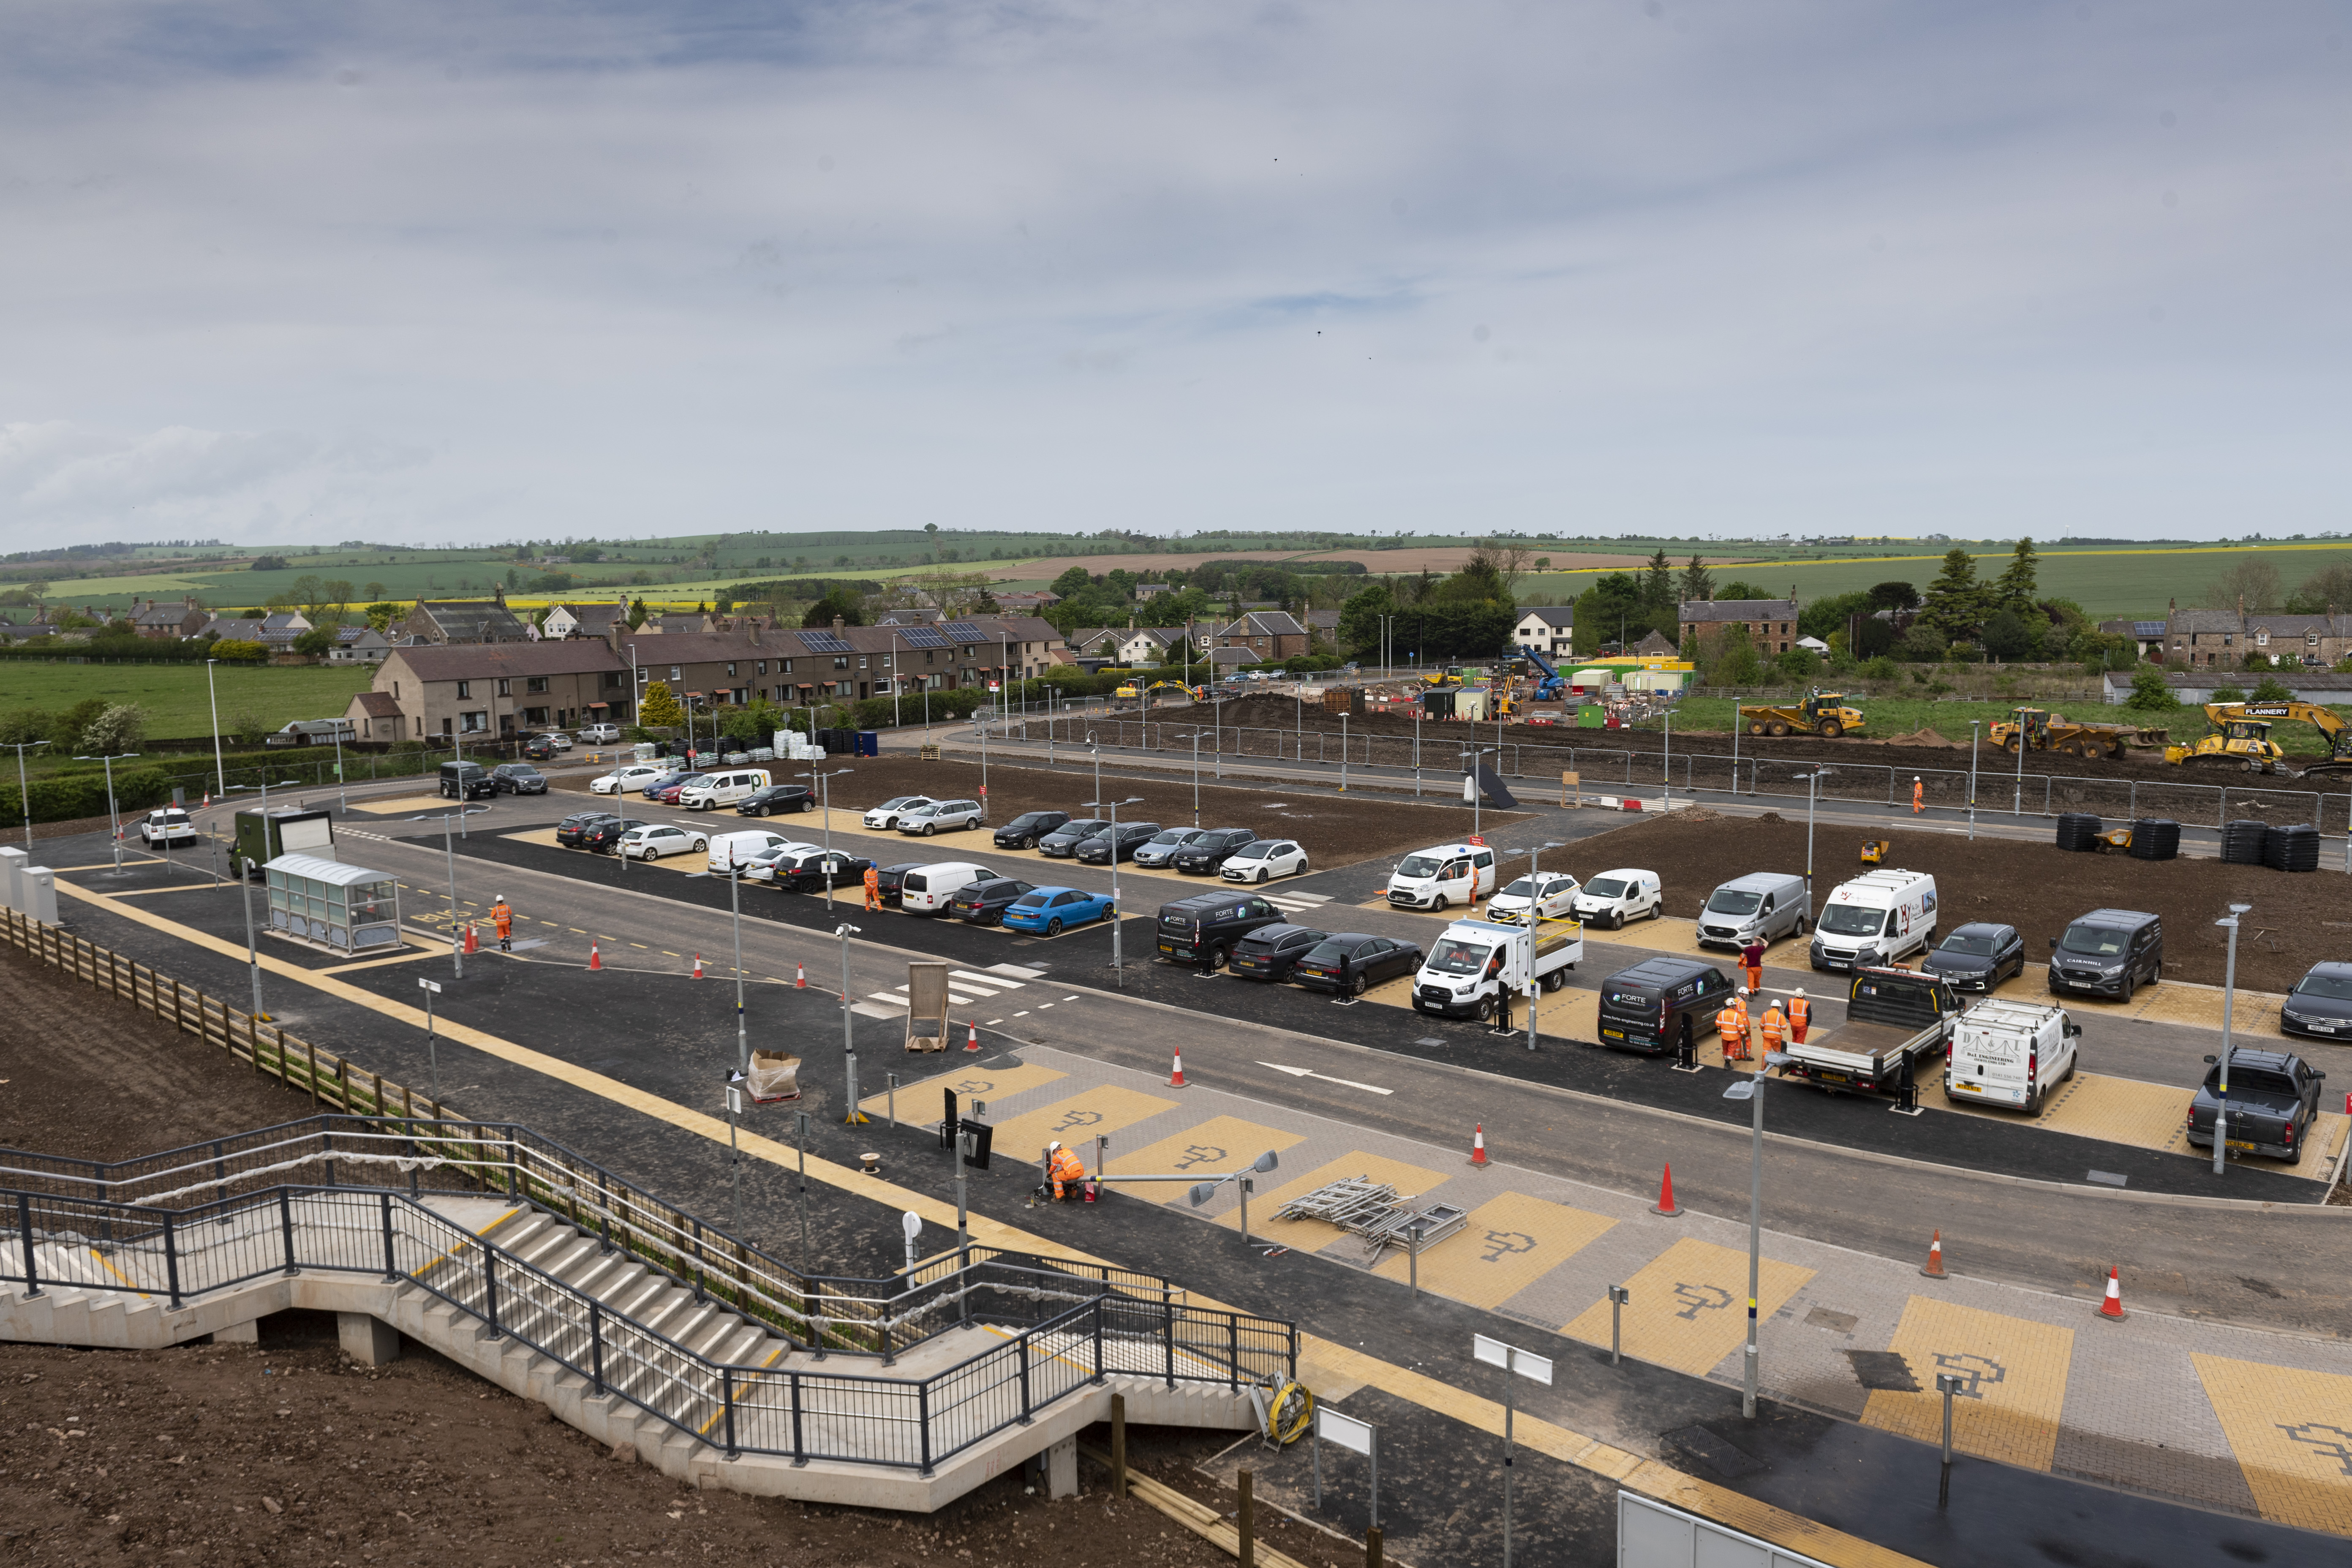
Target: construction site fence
{"x": 1044, "y": 1348}
{"x": 1439, "y": 756}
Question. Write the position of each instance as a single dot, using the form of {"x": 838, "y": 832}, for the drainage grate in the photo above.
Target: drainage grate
{"x": 1430, "y": 1040}
{"x": 2109, "y": 1179}
{"x": 1836, "y": 1322}
{"x": 1883, "y": 1369}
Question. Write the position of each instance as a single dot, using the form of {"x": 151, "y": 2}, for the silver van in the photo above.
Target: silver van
{"x": 1762, "y": 906}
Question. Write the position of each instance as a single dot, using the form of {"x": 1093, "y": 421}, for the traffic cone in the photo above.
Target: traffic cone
{"x": 1935, "y": 1268}
{"x": 799, "y": 977}
{"x": 473, "y": 942}
{"x": 972, "y": 1042}
{"x": 1478, "y": 1145}
{"x": 698, "y": 966}
{"x": 595, "y": 962}
{"x": 1666, "y": 1204}
{"x": 208, "y": 802}
{"x": 2113, "y": 1307}
{"x": 1176, "y": 1080}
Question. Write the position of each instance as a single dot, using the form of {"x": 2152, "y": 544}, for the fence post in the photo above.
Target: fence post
{"x": 923, "y": 1422}
{"x": 286, "y": 1227}
{"x": 800, "y": 1450}
{"x": 491, "y": 1291}
{"x": 1021, "y": 1351}
{"x": 726, "y": 1398}
{"x": 391, "y": 1264}
{"x": 1098, "y": 1376}
{"x": 25, "y": 1230}
{"x": 1233, "y": 1351}
{"x": 596, "y": 1346}
{"x": 1167, "y": 1336}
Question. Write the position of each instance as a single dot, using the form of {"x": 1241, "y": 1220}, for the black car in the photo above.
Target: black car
{"x": 2320, "y": 1005}
{"x": 2109, "y": 950}
{"x": 1063, "y": 841}
{"x": 670, "y": 780}
{"x": 890, "y": 882}
{"x": 982, "y": 903}
{"x": 602, "y": 834}
{"x": 1117, "y": 844}
{"x": 467, "y": 781}
{"x": 777, "y": 798}
{"x": 1352, "y": 962}
{"x": 539, "y": 748}
{"x": 572, "y": 831}
{"x": 1024, "y": 830}
{"x": 1268, "y": 952}
{"x": 519, "y": 778}
{"x": 806, "y": 872}
{"x": 1978, "y": 956}
{"x": 1205, "y": 927}
{"x": 1207, "y": 856}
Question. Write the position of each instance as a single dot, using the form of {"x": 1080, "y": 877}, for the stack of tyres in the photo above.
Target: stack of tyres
{"x": 2294, "y": 848}
{"x": 2077, "y": 829}
{"x": 2154, "y": 838}
{"x": 2241, "y": 842}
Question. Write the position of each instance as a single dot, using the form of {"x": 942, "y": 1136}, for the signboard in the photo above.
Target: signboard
{"x": 1478, "y": 840}
{"x": 1344, "y": 1430}
{"x": 1526, "y": 1363}
{"x": 1571, "y": 784}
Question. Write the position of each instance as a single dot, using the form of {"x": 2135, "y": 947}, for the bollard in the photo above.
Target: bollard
{"x": 1947, "y": 1384}
{"x": 1372, "y": 1547}
{"x": 1618, "y": 1297}
{"x": 1412, "y": 1260}
{"x": 1246, "y": 1522}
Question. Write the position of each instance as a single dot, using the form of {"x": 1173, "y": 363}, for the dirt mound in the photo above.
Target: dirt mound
{"x": 1926, "y": 738}
{"x": 1769, "y": 816}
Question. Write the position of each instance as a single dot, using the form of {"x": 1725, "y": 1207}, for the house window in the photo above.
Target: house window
{"x": 534, "y": 715}
{"x": 764, "y": 666}
{"x": 505, "y": 686}
{"x": 395, "y": 691}
{"x": 841, "y": 662}
{"x": 730, "y": 669}
{"x": 464, "y": 690}
{"x": 612, "y": 680}
{"x": 785, "y": 667}
{"x": 861, "y": 661}
{"x": 472, "y": 723}
{"x": 536, "y": 685}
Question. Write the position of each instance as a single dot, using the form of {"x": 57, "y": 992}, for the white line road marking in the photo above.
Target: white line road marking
{"x": 1016, "y": 970}
{"x": 1021, "y": 1015}
{"x": 1066, "y": 999}
{"x": 1345, "y": 1082}
{"x": 1044, "y": 1003}
{"x": 996, "y": 981}
{"x": 992, "y": 1023}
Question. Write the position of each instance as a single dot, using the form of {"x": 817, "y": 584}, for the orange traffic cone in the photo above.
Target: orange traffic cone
{"x": 799, "y": 977}
{"x": 2113, "y": 1307}
{"x": 1666, "y": 1204}
{"x": 1935, "y": 1270}
{"x": 698, "y": 966}
{"x": 972, "y": 1043}
{"x": 595, "y": 962}
{"x": 1176, "y": 1080}
{"x": 208, "y": 802}
{"x": 1478, "y": 1145}
{"x": 473, "y": 942}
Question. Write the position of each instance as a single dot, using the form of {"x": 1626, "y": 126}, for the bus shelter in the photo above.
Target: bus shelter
{"x": 348, "y": 908}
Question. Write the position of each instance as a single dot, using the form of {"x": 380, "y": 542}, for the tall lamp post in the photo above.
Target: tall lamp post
{"x": 2229, "y": 998}
{"x": 113, "y": 817}
{"x": 1535, "y": 921}
{"x": 1975, "y": 733}
{"x": 734, "y": 874}
{"x": 220, "y": 771}
{"x": 852, "y": 1117}
{"x": 1812, "y": 796}
{"x": 24, "y": 790}
{"x": 450, "y": 852}
{"x": 1471, "y": 787}
{"x": 1751, "y": 1088}
{"x": 1118, "y": 974}
{"x": 245, "y": 868}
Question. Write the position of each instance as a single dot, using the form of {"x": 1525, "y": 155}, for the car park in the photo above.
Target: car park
{"x": 600, "y": 838}
{"x": 1048, "y": 912}
{"x": 519, "y": 778}
{"x": 656, "y": 839}
{"x": 2320, "y": 1005}
{"x": 729, "y": 786}
{"x": 1061, "y": 844}
{"x": 984, "y": 903}
{"x": 1613, "y": 898}
{"x": 887, "y": 815}
{"x": 2273, "y": 1102}
{"x": 1161, "y": 848}
{"x": 2011, "y": 1053}
{"x": 1662, "y": 1004}
{"x": 539, "y": 748}
{"x": 1205, "y": 927}
{"x": 927, "y": 890}
{"x": 805, "y": 869}
{"x": 600, "y": 735}
{"x": 572, "y": 832}
{"x": 665, "y": 783}
{"x": 1024, "y": 831}
{"x": 467, "y": 781}
{"x": 1875, "y": 920}
{"x": 1548, "y": 895}
{"x": 730, "y": 850}
{"x": 1978, "y": 956}
{"x": 1442, "y": 876}
{"x": 776, "y": 798}
{"x": 1351, "y": 962}
{"x": 1206, "y": 855}
{"x": 2107, "y": 953}
{"x": 1763, "y": 906}
{"x": 166, "y": 826}
{"x": 1263, "y": 859}
{"x": 1119, "y": 842}
{"x": 951, "y": 815}
{"x": 628, "y": 776}
{"x": 1268, "y": 952}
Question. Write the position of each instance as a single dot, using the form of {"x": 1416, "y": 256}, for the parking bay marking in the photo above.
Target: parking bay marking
{"x": 1344, "y": 1082}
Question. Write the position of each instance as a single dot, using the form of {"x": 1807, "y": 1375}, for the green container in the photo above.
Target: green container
{"x": 1592, "y": 716}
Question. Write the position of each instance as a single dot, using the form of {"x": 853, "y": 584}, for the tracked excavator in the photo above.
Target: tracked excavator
{"x": 2241, "y": 737}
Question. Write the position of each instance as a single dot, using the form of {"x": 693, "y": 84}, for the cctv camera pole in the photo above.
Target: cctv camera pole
{"x": 252, "y": 952}
{"x": 113, "y": 819}
{"x": 1535, "y": 921}
{"x": 2228, "y": 1000}
{"x": 852, "y": 1117}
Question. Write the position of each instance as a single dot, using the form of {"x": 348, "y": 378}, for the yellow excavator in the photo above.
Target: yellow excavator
{"x": 2240, "y": 736}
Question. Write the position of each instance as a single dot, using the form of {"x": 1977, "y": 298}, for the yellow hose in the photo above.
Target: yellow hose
{"x": 1289, "y": 1414}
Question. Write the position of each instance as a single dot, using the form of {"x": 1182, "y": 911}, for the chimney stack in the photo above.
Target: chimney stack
{"x": 838, "y": 624}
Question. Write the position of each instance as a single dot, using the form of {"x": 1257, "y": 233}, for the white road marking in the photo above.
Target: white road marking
{"x": 1344, "y": 1082}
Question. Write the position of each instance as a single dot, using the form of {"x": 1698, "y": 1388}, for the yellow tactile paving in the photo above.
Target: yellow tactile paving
{"x": 409, "y": 806}
{"x": 2016, "y": 1382}
{"x": 1076, "y": 1121}
{"x": 987, "y": 1086}
{"x": 2144, "y": 1115}
{"x": 2173, "y": 1002}
{"x": 1511, "y": 1242}
{"x": 1310, "y": 1235}
{"x": 1219, "y": 1145}
{"x": 1689, "y": 1305}
{"x": 2291, "y": 1434}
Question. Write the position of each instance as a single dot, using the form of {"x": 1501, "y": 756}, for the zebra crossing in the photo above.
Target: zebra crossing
{"x": 966, "y": 987}
{"x": 1297, "y": 903}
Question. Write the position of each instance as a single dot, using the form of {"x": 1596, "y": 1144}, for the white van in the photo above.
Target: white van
{"x": 725, "y": 787}
{"x": 1442, "y": 876}
{"x": 730, "y": 851}
{"x": 927, "y": 890}
{"x": 1878, "y": 917}
{"x": 2011, "y": 1053}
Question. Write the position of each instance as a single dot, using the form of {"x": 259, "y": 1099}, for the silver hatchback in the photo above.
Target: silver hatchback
{"x": 1162, "y": 847}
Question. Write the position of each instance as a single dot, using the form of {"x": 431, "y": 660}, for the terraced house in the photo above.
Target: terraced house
{"x": 493, "y": 690}
{"x": 2207, "y": 639}
{"x": 1772, "y": 622}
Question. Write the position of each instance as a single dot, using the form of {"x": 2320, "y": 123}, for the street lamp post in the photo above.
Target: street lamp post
{"x": 220, "y": 771}
{"x": 1668, "y": 774}
{"x": 2017, "y": 738}
{"x": 1095, "y": 751}
{"x": 2228, "y": 1000}
{"x": 1812, "y": 794}
{"x": 743, "y": 1038}
{"x": 1975, "y": 733}
{"x": 113, "y": 817}
{"x": 24, "y": 790}
{"x": 1751, "y": 1088}
{"x": 1535, "y": 921}
{"x": 1478, "y": 790}
{"x": 252, "y": 950}
{"x": 1118, "y": 974}
{"x": 1343, "y": 754}
{"x": 450, "y": 852}
{"x": 1196, "y": 776}
{"x": 852, "y": 1116}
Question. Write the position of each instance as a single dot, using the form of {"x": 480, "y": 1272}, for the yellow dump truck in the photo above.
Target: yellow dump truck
{"x": 2039, "y": 730}
{"x": 1825, "y": 713}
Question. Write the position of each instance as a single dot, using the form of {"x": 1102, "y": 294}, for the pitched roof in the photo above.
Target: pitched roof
{"x": 377, "y": 704}
{"x": 471, "y": 620}
{"x": 483, "y": 661}
{"x": 1264, "y": 624}
{"x": 1654, "y": 644}
{"x": 1739, "y": 609}
{"x": 1561, "y": 615}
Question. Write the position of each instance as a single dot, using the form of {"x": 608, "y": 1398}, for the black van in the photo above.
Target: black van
{"x": 467, "y": 781}
{"x": 1662, "y": 1003}
{"x": 2107, "y": 953}
{"x": 1203, "y": 931}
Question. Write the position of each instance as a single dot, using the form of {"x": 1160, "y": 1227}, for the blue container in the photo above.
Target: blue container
{"x": 869, "y": 743}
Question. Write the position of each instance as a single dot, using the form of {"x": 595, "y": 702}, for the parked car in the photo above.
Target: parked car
{"x": 1877, "y": 919}
{"x": 2107, "y": 952}
{"x": 807, "y": 870}
{"x": 763, "y": 865}
{"x": 1117, "y": 844}
{"x": 666, "y": 782}
{"x": 1063, "y": 843}
{"x": 1024, "y": 831}
{"x": 519, "y": 778}
{"x": 656, "y": 839}
{"x": 467, "y": 781}
{"x": 984, "y": 903}
{"x": 1978, "y": 956}
{"x": 572, "y": 832}
{"x": 2320, "y": 1005}
{"x": 1048, "y": 912}
{"x": 166, "y": 826}
{"x": 1262, "y": 859}
{"x": 888, "y": 813}
{"x": 951, "y": 815}
{"x": 628, "y": 776}
{"x": 539, "y": 748}
{"x": 1206, "y": 855}
{"x": 1548, "y": 895}
{"x": 1352, "y": 963}
{"x": 1205, "y": 927}
{"x": 1268, "y": 952}
{"x": 1762, "y": 906}
{"x": 890, "y": 883}
{"x": 671, "y": 794}
{"x": 559, "y": 739}
{"x": 600, "y": 735}
{"x": 1613, "y": 898}
{"x": 777, "y": 797}
{"x": 2274, "y": 1099}
{"x": 1161, "y": 847}
{"x": 602, "y": 836}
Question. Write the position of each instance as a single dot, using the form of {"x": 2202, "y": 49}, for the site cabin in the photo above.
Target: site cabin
{"x": 263, "y": 837}
{"x": 1895, "y": 1021}
{"x": 1476, "y": 963}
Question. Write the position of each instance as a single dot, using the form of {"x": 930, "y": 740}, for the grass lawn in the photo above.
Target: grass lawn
{"x": 174, "y": 696}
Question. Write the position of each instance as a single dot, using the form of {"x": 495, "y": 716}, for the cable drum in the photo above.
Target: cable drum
{"x": 2077, "y": 829}
{"x": 2242, "y": 842}
{"x": 2154, "y": 838}
{"x": 2294, "y": 848}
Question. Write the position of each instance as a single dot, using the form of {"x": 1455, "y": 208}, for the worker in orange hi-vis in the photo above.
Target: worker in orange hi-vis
{"x": 502, "y": 916}
{"x": 1731, "y": 1028}
{"x": 1801, "y": 1015}
{"x": 873, "y": 888}
{"x": 1775, "y": 1028}
{"x": 1751, "y": 959}
{"x": 1918, "y": 795}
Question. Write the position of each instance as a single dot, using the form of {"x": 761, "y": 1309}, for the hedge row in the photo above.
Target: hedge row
{"x": 80, "y": 793}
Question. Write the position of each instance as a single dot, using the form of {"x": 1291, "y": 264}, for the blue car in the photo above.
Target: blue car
{"x": 1047, "y": 910}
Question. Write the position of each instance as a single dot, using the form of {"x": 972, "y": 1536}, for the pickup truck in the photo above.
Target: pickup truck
{"x": 2274, "y": 1100}
{"x": 1474, "y": 963}
{"x": 1895, "y": 1021}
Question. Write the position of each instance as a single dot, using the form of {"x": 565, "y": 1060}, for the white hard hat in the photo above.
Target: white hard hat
{"x": 1914, "y": 778}
{"x": 1053, "y": 1145}
{"x": 1743, "y": 991}
{"x": 1800, "y": 991}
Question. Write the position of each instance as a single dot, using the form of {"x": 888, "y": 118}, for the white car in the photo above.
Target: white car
{"x": 1264, "y": 859}
{"x": 1616, "y": 897}
{"x": 167, "y": 826}
{"x": 558, "y": 739}
{"x": 927, "y": 820}
{"x": 631, "y": 777}
{"x": 888, "y": 813}
{"x": 1549, "y": 895}
{"x": 600, "y": 735}
{"x": 658, "y": 839}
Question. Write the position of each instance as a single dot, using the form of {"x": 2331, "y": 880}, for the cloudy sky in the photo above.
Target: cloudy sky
{"x": 435, "y": 271}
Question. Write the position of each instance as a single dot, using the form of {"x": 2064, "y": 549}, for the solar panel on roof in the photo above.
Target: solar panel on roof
{"x": 964, "y": 631}
{"x": 825, "y": 642}
{"x": 921, "y": 637}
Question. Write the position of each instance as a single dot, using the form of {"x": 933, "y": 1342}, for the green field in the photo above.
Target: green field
{"x": 174, "y": 696}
